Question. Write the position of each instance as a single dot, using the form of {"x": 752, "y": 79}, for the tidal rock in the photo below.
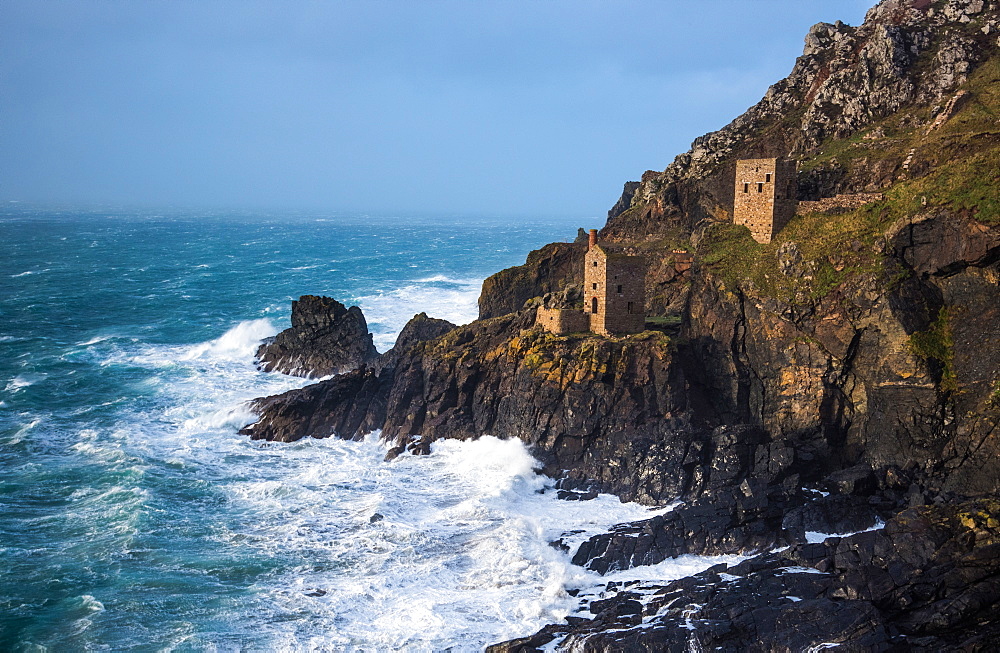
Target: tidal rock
{"x": 420, "y": 328}
{"x": 325, "y": 338}
{"x": 350, "y": 405}
{"x": 928, "y": 581}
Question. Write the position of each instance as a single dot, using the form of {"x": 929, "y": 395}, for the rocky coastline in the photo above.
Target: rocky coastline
{"x": 843, "y": 380}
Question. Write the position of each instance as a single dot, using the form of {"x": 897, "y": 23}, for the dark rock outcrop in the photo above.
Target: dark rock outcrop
{"x": 349, "y": 405}
{"x": 547, "y": 270}
{"x": 928, "y": 581}
{"x": 599, "y": 411}
{"x": 325, "y": 338}
{"x": 860, "y": 360}
{"x": 419, "y": 329}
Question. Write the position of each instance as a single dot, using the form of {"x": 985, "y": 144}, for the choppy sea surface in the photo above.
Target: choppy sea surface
{"x": 134, "y": 517}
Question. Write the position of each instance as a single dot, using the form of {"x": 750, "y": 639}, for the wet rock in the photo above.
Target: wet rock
{"x": 420, "y": 328}
{"x": 928, "y": 581}
{"x": 325, "y": 338}
{"x": 728, "y": 521}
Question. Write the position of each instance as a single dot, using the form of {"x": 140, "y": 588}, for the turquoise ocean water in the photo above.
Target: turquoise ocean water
{"x": 134, "y": 517}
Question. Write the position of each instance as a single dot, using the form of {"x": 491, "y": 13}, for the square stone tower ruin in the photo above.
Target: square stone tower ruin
{"x": 614, "y": 293}
{"x": 766, "y": 196}
{"x": 614, "y": 290}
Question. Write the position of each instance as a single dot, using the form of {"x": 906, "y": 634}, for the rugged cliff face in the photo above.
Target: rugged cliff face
{"x": 895, "y": 367}
{"x": 878, "y": 82}
{"x": 926, "y": 582}
{"x": 549, "y": 269}
{"x": 841, "y": 374}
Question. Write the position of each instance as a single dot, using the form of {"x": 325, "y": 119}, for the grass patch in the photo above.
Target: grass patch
{"x": 993, "y": 401}
{"x": 832, "y": 250}
{"x": 936, "y": 344}
{"x": 970, "y": 184}
{"x": 959, "y": 164}
{"x": 662, "y": 322}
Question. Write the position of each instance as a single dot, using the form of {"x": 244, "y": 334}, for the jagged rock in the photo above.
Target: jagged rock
{"x": 731, "y": 520}
{"x": 847, "y": 79}
{"x": 928, "y": 581}
{"x": 419, "y": 329}
{"x": 547, "y": 270}
{"x": 625, "y": 201}
{"x": 569, "y": 297}
{"x": 325, "y": 338}
{"x": 348, "y": 406}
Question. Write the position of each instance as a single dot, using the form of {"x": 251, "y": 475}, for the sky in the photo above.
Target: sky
{"x": 485, "y": 107}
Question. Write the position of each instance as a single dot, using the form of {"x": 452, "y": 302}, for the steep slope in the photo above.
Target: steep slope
{"x": 842, "y": 373}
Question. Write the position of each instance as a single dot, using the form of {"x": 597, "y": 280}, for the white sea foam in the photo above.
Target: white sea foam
{"x": 240, "y": 342}
{"x": 674, "y": 568}
{"x": 92, "y": 341}
{"x": 447, "y": 550}
{"x": 814, "y": 537}
{"x": 455, "y": 300}
{"x": 23, "y": 431}
{"x": 459, "y": 558}
{"x": 23, "y": 381}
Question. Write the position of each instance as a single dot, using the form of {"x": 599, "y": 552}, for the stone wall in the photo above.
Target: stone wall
{"x": 614, "y": 292}
{"x": 625, "y": 304}
{"x": 594, "y": 286}
{"x": 561, "y": 321}
{"x": 839, "y": 203}
{"x": 765, "y": 196}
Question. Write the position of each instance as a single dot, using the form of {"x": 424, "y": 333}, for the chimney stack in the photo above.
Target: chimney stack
{"x": 593, "y": 238}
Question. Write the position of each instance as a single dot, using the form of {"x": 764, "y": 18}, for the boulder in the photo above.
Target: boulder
{"x": 325, "y": 338}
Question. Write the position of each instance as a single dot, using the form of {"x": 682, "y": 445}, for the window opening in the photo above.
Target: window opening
{"x": 593, "y": 305}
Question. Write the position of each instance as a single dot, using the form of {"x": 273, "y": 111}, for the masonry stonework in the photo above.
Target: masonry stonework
{"x": 561, "y": 321}
{"x": 766, "y": 196}
{"x": 614, "y": 292}
{"x": 614, "y": 288}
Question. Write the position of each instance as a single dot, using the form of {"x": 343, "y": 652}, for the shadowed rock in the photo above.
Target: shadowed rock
{"x": 325, "y": 338}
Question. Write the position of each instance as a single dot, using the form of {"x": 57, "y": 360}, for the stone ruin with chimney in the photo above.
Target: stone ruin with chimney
{"x": 614, "y": 295}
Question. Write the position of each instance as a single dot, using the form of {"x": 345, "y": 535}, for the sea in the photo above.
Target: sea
{"x": 134, "y": 517}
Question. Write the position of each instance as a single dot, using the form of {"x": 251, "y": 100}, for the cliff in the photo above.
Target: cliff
{"x": 844, "y": 375}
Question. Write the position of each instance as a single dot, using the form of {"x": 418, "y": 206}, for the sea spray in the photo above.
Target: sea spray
{"x": 136, "y": 517}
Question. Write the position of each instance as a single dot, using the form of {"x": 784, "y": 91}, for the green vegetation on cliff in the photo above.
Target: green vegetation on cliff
{"x": 937, "y": 344}
{"x": 955, "y": 167}
{"x": 813, "y": 255}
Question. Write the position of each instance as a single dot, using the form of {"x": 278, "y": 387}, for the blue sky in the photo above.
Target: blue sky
{"x": 477, "y": 107}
